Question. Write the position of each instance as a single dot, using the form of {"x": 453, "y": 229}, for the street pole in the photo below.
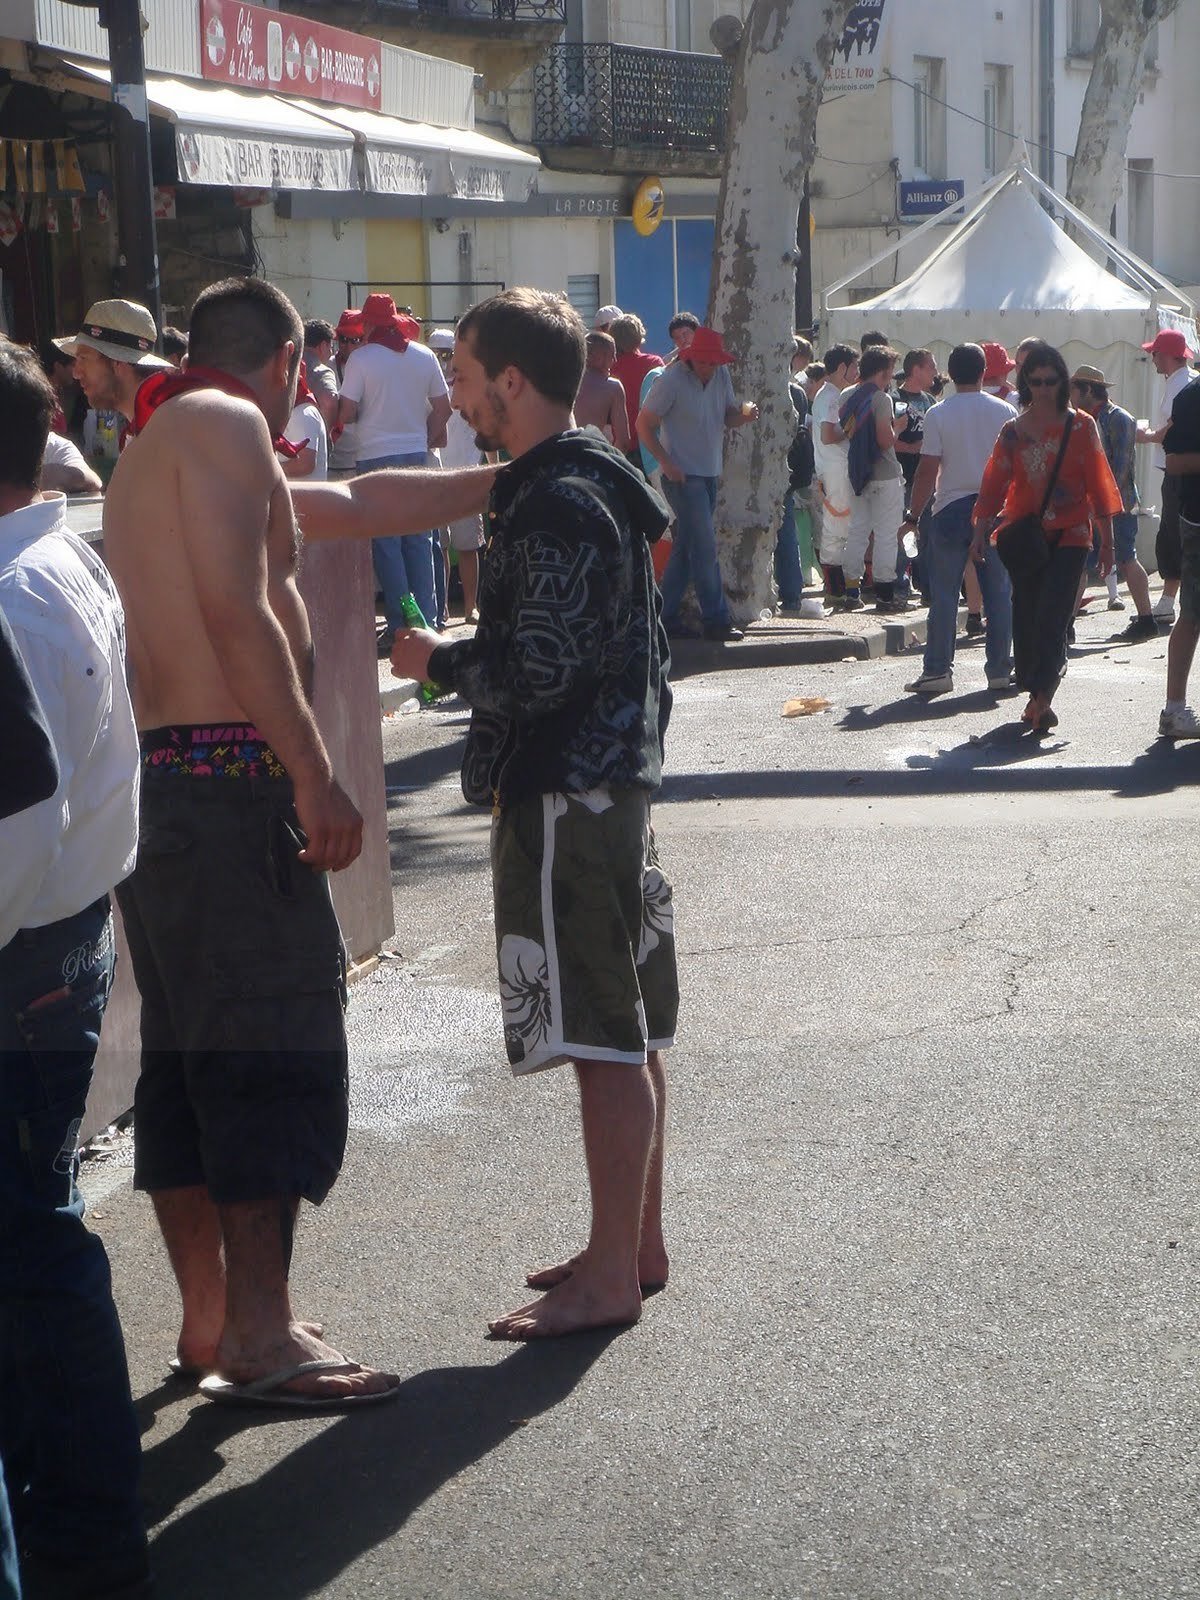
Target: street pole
{"x": 137, "y": 239}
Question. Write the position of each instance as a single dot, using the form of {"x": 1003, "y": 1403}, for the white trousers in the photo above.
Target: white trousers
{"x": 879, "y": 509}
{"x": 836, "y": 496}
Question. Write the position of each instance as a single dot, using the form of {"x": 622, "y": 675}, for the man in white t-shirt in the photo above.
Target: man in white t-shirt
{"x": 306, "y": 427}
{"x": 461, "y": 450}
{"x": 831, "y": 450}
{"x": 64, "y": 468}
{"x": 959, "y": 435}
{"x": 1169, "y": 352}
{"x": 394, "y": 392}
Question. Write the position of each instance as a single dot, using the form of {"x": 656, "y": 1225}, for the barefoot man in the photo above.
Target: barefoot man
{"x": 241, "y": 1106}
{"x": 566, "y": 680}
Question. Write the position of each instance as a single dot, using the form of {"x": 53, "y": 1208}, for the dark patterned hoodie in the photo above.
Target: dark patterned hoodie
{"x": 566, "y": 676}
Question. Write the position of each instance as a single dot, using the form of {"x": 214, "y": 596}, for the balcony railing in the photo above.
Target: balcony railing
{"x": 552, "y": 12}
{"x": 616, "y": 96}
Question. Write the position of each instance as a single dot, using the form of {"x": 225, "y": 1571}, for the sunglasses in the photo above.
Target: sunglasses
{"x": 1087, "y": 388}
{"x": 1043, "y": 383}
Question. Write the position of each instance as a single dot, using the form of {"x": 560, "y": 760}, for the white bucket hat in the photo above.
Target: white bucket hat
{"x": 441, "y": 339}
{"x": 121, "y": 330}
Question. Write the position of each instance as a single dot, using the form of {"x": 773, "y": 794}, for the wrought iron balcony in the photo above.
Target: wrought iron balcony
{"x": 620, "y": 97}
{"x": 549, "y": 12}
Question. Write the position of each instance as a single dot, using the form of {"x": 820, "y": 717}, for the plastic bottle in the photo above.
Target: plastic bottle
{"x": 909, "y": 543}
{"x": 415, "y": 618}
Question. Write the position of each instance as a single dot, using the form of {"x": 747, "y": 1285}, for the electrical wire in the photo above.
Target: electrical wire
{"x": 1009, "y": 133}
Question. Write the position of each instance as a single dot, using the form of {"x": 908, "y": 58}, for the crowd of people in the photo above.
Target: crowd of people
{"x": 1005, "y": 493}
{"x": 159, "y": 705}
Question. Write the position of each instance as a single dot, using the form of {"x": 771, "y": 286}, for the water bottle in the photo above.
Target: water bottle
{"x": 415, "y": 618}
{"x": 909, "y": 543}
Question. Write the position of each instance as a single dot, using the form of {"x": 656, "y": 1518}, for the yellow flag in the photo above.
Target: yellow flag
{"x": 38, "y": 152}
{"x": 74, "y": 175}
{"x": 60, "y": 165}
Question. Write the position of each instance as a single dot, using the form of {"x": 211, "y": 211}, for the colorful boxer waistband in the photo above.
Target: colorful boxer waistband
{"x": 210, "y": 750}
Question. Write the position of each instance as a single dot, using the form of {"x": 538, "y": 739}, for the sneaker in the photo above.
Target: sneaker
{"x": 892, "y": 607}
{"x": 931, "y": 683}
{"x": 1135, "y": 630}
{"x": 1163, "y": 611}
{"x": 852, "y": 600}
{"x": 974, "y": 624}
{"x": 1116, "y": 605}
{"x": 722, "y": 633}
{"x": 1001, "y": 684}
{"x": 1183, "y": 724}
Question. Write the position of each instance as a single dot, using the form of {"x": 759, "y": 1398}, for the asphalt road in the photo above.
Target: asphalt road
{"x": 932, "y": 1191}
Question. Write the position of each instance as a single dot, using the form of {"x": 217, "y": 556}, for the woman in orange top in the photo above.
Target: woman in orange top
{"x": 1014, "y": 485}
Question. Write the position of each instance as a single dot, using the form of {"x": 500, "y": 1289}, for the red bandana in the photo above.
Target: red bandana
{"x": 164, "y": 386}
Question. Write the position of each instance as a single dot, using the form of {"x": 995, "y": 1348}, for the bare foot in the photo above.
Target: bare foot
{"x": 653, "y": 1271}
{"x": 351, "y": 1380}
{"x": 196, "y": 1357}
{"x": 581, "y": 1301}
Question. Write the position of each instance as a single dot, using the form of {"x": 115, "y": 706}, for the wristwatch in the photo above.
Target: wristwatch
{"x": 908, "y": 517}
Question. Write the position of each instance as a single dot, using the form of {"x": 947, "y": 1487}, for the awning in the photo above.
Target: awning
{"x": 236, "y": 140}
{"x": 416, "y": 158}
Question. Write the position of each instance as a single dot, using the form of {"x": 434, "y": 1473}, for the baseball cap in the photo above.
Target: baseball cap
{"x": 1168, "y": 342}
{"x": 441, "y": 339}
{"x": 605, "y": 315}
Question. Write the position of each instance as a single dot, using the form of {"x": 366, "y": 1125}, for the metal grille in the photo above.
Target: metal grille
{"x": 548, "y": 11}
{"x": 615, "y": 95}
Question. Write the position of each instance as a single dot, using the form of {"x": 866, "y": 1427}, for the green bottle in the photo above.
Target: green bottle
{"x": 415, "y": 618}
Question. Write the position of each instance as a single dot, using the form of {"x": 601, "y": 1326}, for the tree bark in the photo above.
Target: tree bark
{"x": 778, "y": 84}
{"x": 1098, "y": 168}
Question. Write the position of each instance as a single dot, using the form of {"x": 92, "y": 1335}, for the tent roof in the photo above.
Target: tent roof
{"x": 1011, "y": 255}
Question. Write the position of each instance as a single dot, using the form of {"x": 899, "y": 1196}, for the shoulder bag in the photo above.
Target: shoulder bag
{"x": 1024, "y": 545}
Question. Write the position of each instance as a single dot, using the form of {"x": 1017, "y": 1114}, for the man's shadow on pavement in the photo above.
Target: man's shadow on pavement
{"x": 922, "y": 708}
{"x": 349, "y": 1488}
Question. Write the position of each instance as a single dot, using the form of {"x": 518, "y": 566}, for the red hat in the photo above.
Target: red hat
{"x": 1168, "y": 342}
{"x": 350, "y": 324}
{"x": 408, "y": 326}
{"x": 378, "y": 310}
{"x": 998, "y": 363}
{"x": 707, "y": 346}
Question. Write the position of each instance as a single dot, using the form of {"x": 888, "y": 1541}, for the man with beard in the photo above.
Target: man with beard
{"x": 567, "y": 683}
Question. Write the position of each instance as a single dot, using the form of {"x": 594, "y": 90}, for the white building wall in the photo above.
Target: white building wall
{"x": 311, "y": 261}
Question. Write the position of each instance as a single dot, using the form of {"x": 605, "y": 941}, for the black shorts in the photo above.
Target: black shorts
{"x": 1168, "y": 553}
{"x": 239, "y": 959}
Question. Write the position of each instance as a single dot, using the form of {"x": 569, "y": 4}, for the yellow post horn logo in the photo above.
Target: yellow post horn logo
{"x": 649, "y": 206}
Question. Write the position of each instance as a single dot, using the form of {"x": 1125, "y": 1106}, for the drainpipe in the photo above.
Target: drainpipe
{"x": 1046, "y": 73}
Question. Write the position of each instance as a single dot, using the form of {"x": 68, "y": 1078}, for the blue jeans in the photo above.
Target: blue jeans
{"x": 68, "y": 1435}
{"x": 694, "y": 553}
{"x": 10, "y": 1583}
{"x": 404, "y": 561}
{"x": 945, "y": 549}
{"x": 788, "y": 574}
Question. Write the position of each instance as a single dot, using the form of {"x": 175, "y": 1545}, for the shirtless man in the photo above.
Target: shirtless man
{"x": 242, "y": 1102}
{"x": 601, "y": 399}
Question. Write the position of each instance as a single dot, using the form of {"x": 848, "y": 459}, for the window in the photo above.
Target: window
{"x": 997, "y": 117}
{"x": 1083, "y": 26}
{"x": 583, "y": 291}
{"x": 683, "y": 24}
{"x": 1141, "y": 209}
{"x": 929, "y": 117}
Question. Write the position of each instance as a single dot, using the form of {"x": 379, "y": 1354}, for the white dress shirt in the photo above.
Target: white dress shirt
{"x": 60, "y": 856}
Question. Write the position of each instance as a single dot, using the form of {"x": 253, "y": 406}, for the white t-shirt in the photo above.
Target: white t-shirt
{"x": 60, "y": 855}
{"x": 460, "y": 449}
{"x": 393, "y": 393}
{"x": 962, "y": 431}
{"x": 62, "y": 452}
{"x": 1175, "y": 384}
{"x": 306, "y": 422}
{"x": 831, "y": 459}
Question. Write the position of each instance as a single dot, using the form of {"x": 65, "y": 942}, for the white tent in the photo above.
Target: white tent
{"x": 1008, "y": 270}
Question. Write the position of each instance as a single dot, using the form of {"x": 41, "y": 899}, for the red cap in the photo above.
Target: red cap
{"x": 378, "y": 310}
{"x": 1168, "y": 342}
{"x": 999, "y": 363}
{"x": 708, "y": 347}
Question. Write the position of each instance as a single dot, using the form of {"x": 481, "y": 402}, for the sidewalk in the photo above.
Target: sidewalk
{"x": 781, "y": 642}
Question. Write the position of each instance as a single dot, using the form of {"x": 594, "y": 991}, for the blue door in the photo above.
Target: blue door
{"x": 645, "y": 278}
{"x": 694, "y": 244}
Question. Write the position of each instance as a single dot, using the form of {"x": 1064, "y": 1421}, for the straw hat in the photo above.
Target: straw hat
{"x": 121, "y": 330}
{"x": 1089, "y": 375}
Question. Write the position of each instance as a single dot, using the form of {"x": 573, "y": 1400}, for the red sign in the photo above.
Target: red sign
{"x": 280, "y": 54}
